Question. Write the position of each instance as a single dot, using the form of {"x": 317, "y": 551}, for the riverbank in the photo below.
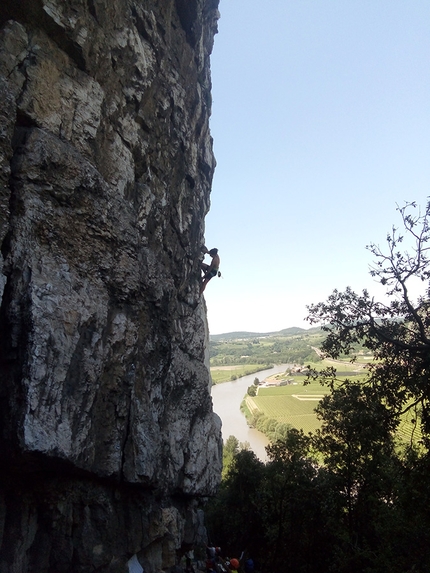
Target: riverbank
{"x": 221, "y": 374}
{"x": 227, "y": 398}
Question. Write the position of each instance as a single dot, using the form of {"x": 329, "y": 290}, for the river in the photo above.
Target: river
{"x": 227, "y": 398}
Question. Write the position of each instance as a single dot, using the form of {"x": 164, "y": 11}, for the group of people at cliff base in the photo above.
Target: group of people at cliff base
{"x": 216, "y": 564}
{"x": 212, "y": 270}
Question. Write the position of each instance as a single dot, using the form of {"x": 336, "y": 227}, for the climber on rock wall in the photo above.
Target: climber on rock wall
{"x": 210, "y": 271}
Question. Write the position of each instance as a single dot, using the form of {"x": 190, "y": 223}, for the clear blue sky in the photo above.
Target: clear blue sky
{"x": 321, "y": 124}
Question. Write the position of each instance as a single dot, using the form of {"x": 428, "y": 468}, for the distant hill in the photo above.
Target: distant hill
{"x": 292, "y": 331}
{"x": 288, "y": 346}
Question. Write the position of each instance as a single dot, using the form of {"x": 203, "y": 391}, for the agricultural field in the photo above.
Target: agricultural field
{"x": 344, "y": 369}
{"x": 293, "y": 404}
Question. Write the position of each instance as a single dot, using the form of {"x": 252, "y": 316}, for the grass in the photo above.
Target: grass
{"x": 342, "y": 365}
{"x": 293, "y": 404}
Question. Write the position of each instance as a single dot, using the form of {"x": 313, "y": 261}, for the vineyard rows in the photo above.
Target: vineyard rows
{"x": 295, "y": 405}
{"x": 292, "y": 404}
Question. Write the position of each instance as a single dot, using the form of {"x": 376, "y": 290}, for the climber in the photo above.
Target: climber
{"x": 210, "y": 271}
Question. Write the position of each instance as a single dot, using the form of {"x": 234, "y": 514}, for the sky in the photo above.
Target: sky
{"x": 321, "y": 127}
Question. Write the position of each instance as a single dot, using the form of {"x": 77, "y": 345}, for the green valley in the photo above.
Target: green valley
{"x": 289, "y": 346}
{"x": 284, "y": 401}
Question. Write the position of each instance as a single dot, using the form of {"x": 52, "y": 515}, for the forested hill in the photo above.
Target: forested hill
{"x": 293, "y": 330}
{"x": 291, "y": 345}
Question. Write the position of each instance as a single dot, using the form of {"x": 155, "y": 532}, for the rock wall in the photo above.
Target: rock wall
{"x": 108, "y": 438}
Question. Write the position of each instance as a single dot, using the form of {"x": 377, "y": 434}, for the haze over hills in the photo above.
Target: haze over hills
{"x": 292, "y": 331}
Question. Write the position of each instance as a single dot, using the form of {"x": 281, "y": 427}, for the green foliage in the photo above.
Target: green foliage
{"x": 347, "y": 498}
{"x": 365, "y": 509}
{"x": 230, "y": 449}
{"x": 273, "y": 509}
{"x": 252, "y": 391}
{"x": 294, "y": 346}
{"x": 234, "y": 518}
{"x": 254, "y": 337}
{"x": 396, "y": 331}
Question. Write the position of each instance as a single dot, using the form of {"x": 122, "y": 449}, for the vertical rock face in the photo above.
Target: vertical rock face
{"x": 108, "y": 439}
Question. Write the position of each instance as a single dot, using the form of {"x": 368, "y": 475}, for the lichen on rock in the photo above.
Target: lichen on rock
{"x": 106, "y": 162}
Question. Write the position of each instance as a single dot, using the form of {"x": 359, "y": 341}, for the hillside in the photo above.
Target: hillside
{"x": 291, "y": 345}
{"x": 293, "y": 330}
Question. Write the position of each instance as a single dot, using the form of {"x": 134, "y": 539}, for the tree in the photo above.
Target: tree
{"x": 359, "y": 420}
{"x": 230, "y": 449}
{"x": 234, "y": 516}
{"x": 357, "y": 447}
{"x": 252, "y": 391}
{"x": 396, "y": 331}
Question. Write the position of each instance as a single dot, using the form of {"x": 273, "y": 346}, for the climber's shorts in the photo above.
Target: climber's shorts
{"x": 211, "y": 274}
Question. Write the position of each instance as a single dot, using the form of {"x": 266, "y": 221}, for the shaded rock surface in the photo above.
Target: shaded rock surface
{"x": 108, "y": 438}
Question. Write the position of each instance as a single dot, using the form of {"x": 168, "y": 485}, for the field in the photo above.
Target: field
{"x": 293, "y": 404}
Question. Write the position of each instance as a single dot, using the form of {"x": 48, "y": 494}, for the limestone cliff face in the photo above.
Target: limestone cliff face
{"x": 108, "y": 439}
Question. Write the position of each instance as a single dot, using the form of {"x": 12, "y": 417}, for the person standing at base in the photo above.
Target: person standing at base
{"x": 232, "y": 565}
{"x": 211, "y": 270}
